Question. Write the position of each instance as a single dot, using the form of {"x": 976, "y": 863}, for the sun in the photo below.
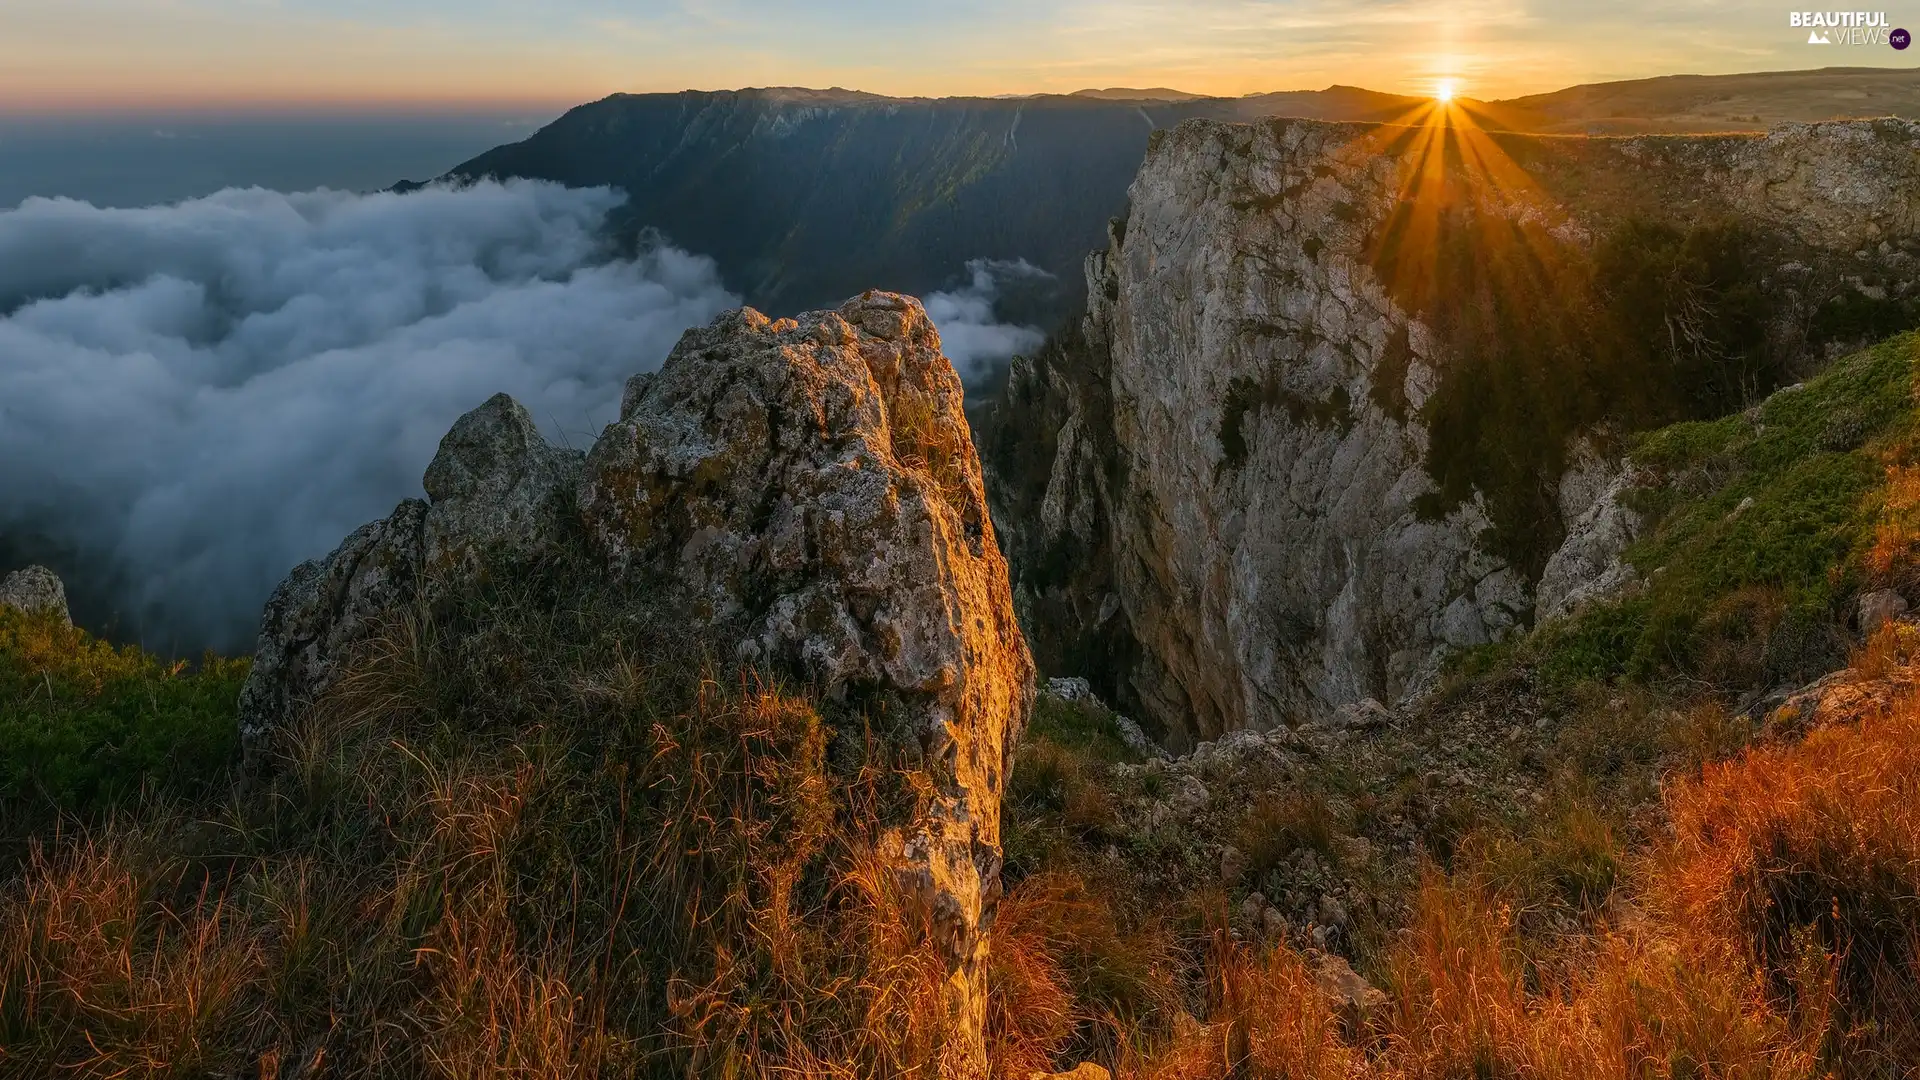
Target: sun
{"x": 1444, "y": 92}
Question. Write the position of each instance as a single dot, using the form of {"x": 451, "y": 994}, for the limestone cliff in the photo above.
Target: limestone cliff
{"x": 1342, "y": 388}
{"x": 805, "y": 490}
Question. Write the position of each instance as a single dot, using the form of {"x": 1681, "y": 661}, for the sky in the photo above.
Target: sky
{"x": 138, "y": 55}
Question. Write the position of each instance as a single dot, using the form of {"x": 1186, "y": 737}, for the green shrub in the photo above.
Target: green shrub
{"x": 84, "y": 723}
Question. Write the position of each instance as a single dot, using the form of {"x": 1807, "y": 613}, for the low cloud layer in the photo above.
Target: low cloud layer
{"x": 972, "y": 338}
{"x": 193, "y": 398}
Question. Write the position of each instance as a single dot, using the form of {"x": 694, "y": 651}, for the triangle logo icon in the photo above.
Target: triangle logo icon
{"x": 1815, "y": 37}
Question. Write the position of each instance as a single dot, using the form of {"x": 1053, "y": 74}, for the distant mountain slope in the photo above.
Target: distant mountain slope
{"x": 1129, "y": 93}
{"x": 807, "y": 196}
{"x": 1702, "y": 103}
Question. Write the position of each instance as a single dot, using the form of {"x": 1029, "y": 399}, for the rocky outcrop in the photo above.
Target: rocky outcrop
{"x": 805, "y": 487}
{"x": 1878, "y": 608}
{"x": 1591, "y": 562}
{"x": 35, "y": 590}
{"x": 1273, "y": 326}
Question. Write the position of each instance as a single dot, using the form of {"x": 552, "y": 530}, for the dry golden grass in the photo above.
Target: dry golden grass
{"x": 1890, "y": 562}
{"x": 1814, "y": 846}
{"x": 1773, "y": 933}
{"x": 1891, "y": 648}
{"x": 1465, "y": 1001}
{"x": 1073, "y": 976}
{"x": 537, "y": 841}
{"x": 504, "y": 848}
{"x": 923, "y": 440}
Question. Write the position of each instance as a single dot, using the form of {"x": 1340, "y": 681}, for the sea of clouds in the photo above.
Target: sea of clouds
{"x": 970, "y": 335}
{"x": 196, "y": 397}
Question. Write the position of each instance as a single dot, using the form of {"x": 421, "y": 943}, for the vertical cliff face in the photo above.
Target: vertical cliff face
{"x": 1355, "y": 382}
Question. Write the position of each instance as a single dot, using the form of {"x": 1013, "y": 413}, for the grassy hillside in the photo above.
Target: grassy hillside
{"x": 532, "y": 837}
{"x": 1686, "y": 104}
{"x": 1763, "y": 528}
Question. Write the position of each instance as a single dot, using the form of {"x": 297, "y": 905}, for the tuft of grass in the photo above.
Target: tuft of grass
{"x": 924, "y": 441}
{"x": 1892, "y": 647}
{"x": 1056, "y": 801}
{"x": 1892, "y": 560}
{"x": 1276, "y": 825}
{"x": 1569, "y": 859}
{"x": 1073, "y": 977}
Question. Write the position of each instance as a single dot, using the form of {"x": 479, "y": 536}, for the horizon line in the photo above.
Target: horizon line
{"x": 400, "y": 106}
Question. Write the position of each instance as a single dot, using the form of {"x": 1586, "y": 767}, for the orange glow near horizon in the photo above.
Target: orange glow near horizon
{"x": 235, "y": 55}
{"x": 1449, "y": 164}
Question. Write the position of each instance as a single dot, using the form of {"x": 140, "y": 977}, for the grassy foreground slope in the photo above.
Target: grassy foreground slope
{"x": 1599, "y": 850}
{"x": 531, "y": 837}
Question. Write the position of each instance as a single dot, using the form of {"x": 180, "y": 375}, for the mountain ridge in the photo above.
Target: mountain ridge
{"x": 805, "y": 196}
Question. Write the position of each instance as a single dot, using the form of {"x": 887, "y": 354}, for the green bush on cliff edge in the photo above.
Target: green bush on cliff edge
{"x": 1760, "y": 528}
{"x": 84, "y": 723}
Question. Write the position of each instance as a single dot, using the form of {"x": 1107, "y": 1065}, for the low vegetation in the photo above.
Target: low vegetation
{"x": 87, "y": 725}
{"x": 1763, "y": 926}
{"x": 1763, "y": 527}
{"x": 536, "y": 835}
{"x": 527, "y": 838}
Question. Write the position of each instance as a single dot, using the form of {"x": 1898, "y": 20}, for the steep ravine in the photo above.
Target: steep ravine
{"x": 1343, "y": 388}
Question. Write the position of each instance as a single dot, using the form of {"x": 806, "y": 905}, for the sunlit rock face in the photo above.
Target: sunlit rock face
{"x": 1341, "y": 372}
{"x": 816, "y": 479}
{"x": 809, "y": 488}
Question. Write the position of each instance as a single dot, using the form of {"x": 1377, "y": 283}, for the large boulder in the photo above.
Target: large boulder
{"x": 35, "y": 589}
{"x": 807, "y": 487}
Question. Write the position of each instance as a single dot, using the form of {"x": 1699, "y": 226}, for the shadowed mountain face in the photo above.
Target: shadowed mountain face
{"x": 805, "y": 197}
